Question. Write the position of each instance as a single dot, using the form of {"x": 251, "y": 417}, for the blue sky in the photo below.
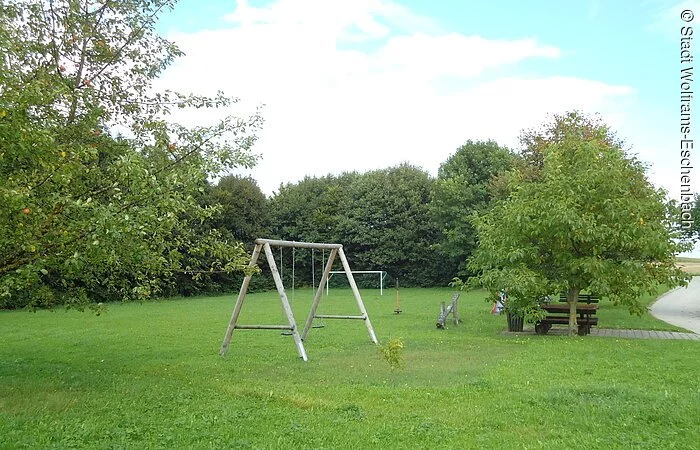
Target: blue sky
{"x": 364, "y": 84}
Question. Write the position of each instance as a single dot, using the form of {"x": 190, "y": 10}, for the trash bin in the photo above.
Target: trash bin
{"x": 515, "y": 322}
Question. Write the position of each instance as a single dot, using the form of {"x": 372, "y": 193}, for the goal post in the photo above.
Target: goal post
{"x": 381, "y": 273}
{"x": 265, "y": 245}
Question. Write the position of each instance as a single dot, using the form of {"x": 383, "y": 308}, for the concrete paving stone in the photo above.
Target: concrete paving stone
{"x": 620, "y": 333}
{"x": 634, "y": 334}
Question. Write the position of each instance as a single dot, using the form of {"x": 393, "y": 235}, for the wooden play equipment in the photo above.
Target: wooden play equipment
{"x": 397, "y": 310}
{"x": 453, "y": 309}
{"x": 266, "y": 246}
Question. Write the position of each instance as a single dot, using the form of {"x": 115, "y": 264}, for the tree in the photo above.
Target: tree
{"x": 97, "y": 183}
{"x": 311, "y": 211}
{"x": 590, "y": 221}
{"x": 534, "y": 141}
{"x": 388, "y": 226}
{"x": 462, "y": 188}
{"x": 382, "y": 218}
{"x": 244, "y": 208}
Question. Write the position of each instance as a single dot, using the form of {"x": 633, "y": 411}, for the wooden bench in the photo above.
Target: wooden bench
{"x": 582, "y": 298}
{"x": 558, "y": 313}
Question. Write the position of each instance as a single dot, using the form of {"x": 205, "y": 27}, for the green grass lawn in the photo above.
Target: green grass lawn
{"x": 149, "y": 376}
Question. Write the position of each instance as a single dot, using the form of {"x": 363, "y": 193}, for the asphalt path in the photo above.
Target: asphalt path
{"x": 680, "y": 307}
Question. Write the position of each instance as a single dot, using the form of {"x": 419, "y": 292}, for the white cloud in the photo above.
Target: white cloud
{"x": 361, "y": 85}
{"x": 454, "y": 54}
{"x": 354, "y": 21}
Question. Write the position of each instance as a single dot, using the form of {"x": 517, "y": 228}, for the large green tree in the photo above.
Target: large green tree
{"x": 244, "y": 208}
{"x": 98, "y": 185}
{"x": 382, "y": 217}
{"x": 463, "y": 188}
{"x": 534, "y": 141}
{"x": 589, "y": 221}
{"x": 388, "y": 226}
{"x": 311, "y": 211}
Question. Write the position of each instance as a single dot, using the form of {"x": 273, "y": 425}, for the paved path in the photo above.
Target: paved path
{"x": 629, "y": 334}
{"x": 644, "y": 334}
{"x": 680, "y": 307}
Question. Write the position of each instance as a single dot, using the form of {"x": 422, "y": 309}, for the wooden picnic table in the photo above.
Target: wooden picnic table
{"x": 558, "y": 313}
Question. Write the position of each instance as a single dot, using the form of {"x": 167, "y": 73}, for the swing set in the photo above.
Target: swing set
{"x": 291, "y": 326}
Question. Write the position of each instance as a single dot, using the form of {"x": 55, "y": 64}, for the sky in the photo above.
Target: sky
{"x": 367, "y": 84}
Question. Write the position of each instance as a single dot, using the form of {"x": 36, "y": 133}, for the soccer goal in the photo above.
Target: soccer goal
{"x": 265, "y": 245}
{"x": 380, "y": 274}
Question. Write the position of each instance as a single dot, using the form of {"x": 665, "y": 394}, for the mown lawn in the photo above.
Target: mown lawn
{"x": 149, "y": 376}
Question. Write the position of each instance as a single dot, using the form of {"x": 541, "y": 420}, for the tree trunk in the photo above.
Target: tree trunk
{"x": 572, "y": 300}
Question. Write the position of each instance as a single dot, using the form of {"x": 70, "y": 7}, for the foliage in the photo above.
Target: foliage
{"x": 592, "y": 221}
{"x": 381, "y": 217}
{"x": 393, "y": 352}
{"x": 388, "y": 226}
{"x": 310, "y": 211}
{"x": 241, "y": 216}
{"x": 462, "y": 188}
{"x": 244, "y": 208}
{"x": 98, "y": 187}
{"x": 514, "y": 303}
{"x": 559, "y": 128}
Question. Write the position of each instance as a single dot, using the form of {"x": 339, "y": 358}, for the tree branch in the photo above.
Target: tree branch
{"x": 128, "y": 41}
